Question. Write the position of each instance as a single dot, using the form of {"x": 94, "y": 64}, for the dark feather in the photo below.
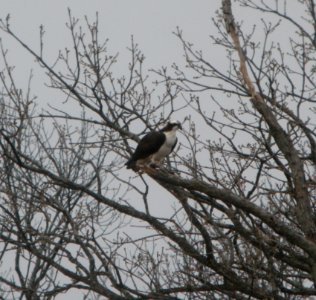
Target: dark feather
{"x": 148, "y": 145}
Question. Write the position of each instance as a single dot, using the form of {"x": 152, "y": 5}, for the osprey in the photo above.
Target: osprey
{"x": 154, "y": 147}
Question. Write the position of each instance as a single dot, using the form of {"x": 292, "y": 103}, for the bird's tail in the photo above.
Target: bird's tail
{"x": 130, "y": 164}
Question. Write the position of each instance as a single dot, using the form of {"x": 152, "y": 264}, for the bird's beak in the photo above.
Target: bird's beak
{"x": 180, "y": 126}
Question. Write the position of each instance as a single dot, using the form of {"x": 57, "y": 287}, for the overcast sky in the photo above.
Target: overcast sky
{"x": 151, "y": 22}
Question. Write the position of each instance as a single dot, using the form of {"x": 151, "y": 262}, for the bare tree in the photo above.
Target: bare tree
{"x": 241, "y": 186}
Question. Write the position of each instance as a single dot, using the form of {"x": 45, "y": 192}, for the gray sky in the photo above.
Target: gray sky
{"x": 151, "y": 22}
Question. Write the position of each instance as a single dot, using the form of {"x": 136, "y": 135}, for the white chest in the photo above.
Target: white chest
{"x": 171, "y": 138}
{"x": 166, "y": 148}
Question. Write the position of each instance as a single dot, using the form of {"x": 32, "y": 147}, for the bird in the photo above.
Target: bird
{"x": 154, "y": 147}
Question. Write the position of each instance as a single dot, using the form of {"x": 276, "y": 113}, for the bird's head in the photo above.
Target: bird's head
{"x": 172, "y": 125}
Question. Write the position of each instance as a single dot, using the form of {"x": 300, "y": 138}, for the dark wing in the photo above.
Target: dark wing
{"x": 148, "y": 145}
